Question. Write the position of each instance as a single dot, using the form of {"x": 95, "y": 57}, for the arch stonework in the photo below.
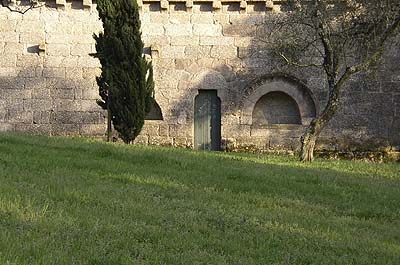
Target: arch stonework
{"x": 208, "y": 80}
{"x": 296, "y": 91}
{"x": 199, "y": 45}
{"x": 276, "y": 108}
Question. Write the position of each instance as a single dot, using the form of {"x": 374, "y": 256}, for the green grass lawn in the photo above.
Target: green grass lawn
{"x": 78, "y": 201}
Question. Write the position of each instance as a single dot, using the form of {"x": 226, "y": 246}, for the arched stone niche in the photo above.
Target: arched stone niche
{"x": 279, "y": 89}
{"x": 276, "y": 108}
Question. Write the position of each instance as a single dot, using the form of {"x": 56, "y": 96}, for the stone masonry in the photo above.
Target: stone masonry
{"x": 47, "y": 78}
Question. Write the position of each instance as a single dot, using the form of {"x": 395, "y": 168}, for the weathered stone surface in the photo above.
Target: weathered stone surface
{"x": 239, "y": 30}
{"x": 207, "y": 30}
{"x": 12, "y": 48}
{"x": 81, "y": 49}
{"x": 184, "y": 41}
{"x": 8, "y": 60}
{"x": 202, "y": 18}
{"x": 207, "y": 40}
{"x": 9, "y": 36}
{"x": 179, "y": 18}
{"x": 197, "y": 51}
{"x": 194, "y": 47}
{"x": 224, "y": 52}
{"x": 178, "y": 29}
{"x": 154, "y": 29}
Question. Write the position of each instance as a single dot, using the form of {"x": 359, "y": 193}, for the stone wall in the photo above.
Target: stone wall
{"x": 47, "y": 78}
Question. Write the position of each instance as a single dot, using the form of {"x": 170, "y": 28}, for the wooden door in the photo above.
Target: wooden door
{"x": 207, "y": 121}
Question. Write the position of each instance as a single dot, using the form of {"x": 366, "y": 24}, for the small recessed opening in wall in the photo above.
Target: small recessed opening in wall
{"x": 256, "y": 7}
{"x": 205, "y": 7}
{"x": 33, "y": 49}
{"x": 177, "y": 7}
{"x": 155, "y": 7}
{"x": 155, "y": 113}
{"x": 231, "y": 7}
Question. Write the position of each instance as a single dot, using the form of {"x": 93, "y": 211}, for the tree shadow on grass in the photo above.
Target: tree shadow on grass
{"x": 181, "y": 204}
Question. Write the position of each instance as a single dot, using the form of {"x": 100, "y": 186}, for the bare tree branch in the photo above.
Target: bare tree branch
{"x": 31, "y": 5}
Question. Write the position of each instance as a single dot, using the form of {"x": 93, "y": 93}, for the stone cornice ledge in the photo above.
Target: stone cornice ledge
{"x": 217, "y": 4}
{"x": 59, "y": 3}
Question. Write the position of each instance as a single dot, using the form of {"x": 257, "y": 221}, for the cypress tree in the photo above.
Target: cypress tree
{"x": 126, "y": 83}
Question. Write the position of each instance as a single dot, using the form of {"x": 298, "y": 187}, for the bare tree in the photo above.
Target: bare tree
{"x": 341, "y": 37}
{"x": 21, "y": 6}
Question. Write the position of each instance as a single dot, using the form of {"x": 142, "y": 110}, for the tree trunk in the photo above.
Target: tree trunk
{"x": 308, "y": 140}
{"x": 314, "y": 129}
{"x": 108, "y": 122}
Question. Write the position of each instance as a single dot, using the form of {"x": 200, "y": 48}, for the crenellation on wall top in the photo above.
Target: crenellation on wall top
{"x": 164, "y": 4}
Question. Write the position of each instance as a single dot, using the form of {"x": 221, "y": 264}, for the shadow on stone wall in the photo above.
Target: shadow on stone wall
{"x": 42, "y": 100}
{"x": 368, "y": 118}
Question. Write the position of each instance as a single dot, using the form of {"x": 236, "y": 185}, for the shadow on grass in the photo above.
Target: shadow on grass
{"x": 179, "y": 203}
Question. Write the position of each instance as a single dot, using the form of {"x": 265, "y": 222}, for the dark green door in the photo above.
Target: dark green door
{"x": 207, "y": 121}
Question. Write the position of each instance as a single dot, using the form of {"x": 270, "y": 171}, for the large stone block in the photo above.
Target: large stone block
{"x": 252, "y": 19}
{"x": 89, "y": 105}
{"x": 172, "y": 52}
{"x": 12, "y": 83}
{"x": 179, "y": 18}
{"x": 20, "y": 117}
{"x": 15, "y": 94}
{"x": 58, "y": 38}
{"x": 150, "y": 129}
{"x": 9, "y": 36}
{"x": 8, "y": 72}
{"x": 64, "y": 129}
{"x": 12, "y": 48}
{"x": 224, "y": 52}
{"x": 6, "y": 127}
{"x": 177, "y": 130}
{"x": 150, "y": 40}
{"x": 41, "y": 117}
{"x": 58, "y": 49}
{"x": 66, "y": 105}
{"x": 30, "y": 26}
{"x": 197, "y": 51}
{"x": 81, "y": 49}
{"x": 202, "y": 18}
{"x": 8, "y": 60}
{"x": 207, "y": 29}
{"x": 239, "y": 30}
{"x": 178, "y": 29}
{"x": 158, "y": 18}
{"x": 74, "y": 73}
{"x": 141, "y": 139}
{"x": 66, "y": 28}
{"x": 54, "y": 72}
{"x": 209, "y": 40}
{"x": 3, "y": 115}
{"x": 89, "y": 62}
{"x": 158, "y": 140}
{"x": 61, "y": 93}
{"x": 29, "y": 61}
{"x": 93, "y": 129}
{"x": 153, "y": 29}
{"x": 15, "y": 104}
{"x": 90, "y": 73}
{"x": 184, "y": 41}
{"x": 33, "y": 128}
{"x": 222, "y": 19}
{"x": 42, "y": 104}
{"x": 7, "y": 25}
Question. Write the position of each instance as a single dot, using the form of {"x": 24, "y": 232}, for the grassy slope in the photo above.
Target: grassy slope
{"x": 73, "y": 201}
